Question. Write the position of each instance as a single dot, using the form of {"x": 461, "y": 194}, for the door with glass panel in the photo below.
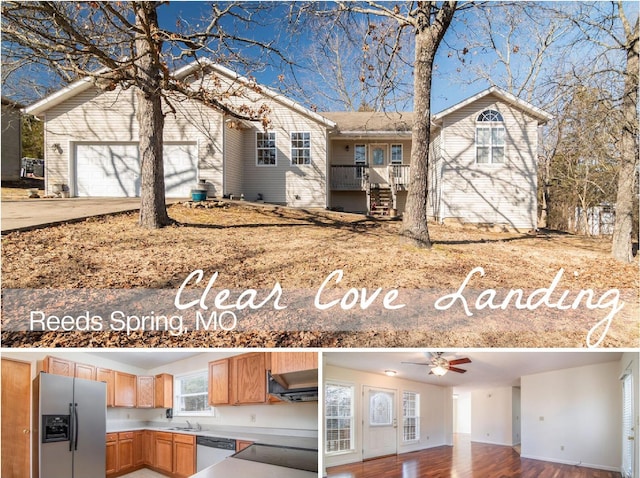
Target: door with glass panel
{"x": 628, "y": 428}
{"x": 378, "y": 165}
{"x": 380, "y": 423}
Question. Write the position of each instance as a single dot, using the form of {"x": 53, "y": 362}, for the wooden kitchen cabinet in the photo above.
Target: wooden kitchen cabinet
{"x": 138, "y": 443}
{"x": 58, "y": 366}
{"x": 145, "y": 391}
{"x": 148, "y": 447}
{"x": 164, "y": 391}
{"x": 184, "y": 455}
{"x": 219, "y": 382}
{"x": 124, "y": 389}
{"x": 125, "y": 451}
{"x": 294, "y": 369}
{"x": 242, "y": 444}
{"x": 112, "y": 453}
{"x": 163, "y": 452}
{"x": 82, "y": 370}
{"x": 249, "y": 379}
{"x": 107, "y": 376}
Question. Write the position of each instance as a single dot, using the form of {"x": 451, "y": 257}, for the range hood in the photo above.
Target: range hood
{"x": 292, "y": 394}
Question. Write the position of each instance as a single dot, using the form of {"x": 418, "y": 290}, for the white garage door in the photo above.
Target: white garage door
{"x": 113, "y": 170}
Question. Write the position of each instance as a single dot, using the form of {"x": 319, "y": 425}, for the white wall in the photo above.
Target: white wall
{"x": 491, "y": 415}
{"x": 462, "y": 413}
{"x": 436, "y": 414}
{"x": 578, "y": 409}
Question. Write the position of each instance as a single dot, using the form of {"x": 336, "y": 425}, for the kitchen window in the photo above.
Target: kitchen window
{"x": 339, "y": 418}
{"x": 490, "y": 135}
{"x": 410, "y": 416}
{"x": 191, "y": 394}
{"x": 300, "y": 148}
{"x": 266, "y": 149}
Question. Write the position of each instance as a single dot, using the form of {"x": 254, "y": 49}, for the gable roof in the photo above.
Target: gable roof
{"x": 85, "y": 83}
{"x": 539, "y": 114}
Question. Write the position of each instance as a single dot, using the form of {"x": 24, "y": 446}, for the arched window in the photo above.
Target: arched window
{"x": 490, "y": 138}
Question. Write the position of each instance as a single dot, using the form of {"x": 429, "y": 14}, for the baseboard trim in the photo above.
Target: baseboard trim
{"x": 573, "y": 463}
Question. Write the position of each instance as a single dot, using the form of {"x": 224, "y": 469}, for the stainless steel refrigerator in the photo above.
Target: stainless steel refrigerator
{"x": 70, "y": 439}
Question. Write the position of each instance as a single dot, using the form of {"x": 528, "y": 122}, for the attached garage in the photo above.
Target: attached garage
{"x": 113, "y": 169}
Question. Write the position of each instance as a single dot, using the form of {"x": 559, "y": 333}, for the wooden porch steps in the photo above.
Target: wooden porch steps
{"x": 380, "y": 201}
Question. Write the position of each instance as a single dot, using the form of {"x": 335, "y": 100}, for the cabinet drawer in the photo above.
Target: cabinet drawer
{"x": 125, "y": 435}
{"x": 163, "y": 436}
{"x": 111, "y": 437}
{"x": 179, "y": 438}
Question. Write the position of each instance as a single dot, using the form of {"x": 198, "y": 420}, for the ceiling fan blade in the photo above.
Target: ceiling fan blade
{"x": 416, "y": 363}
{"x": 456, "y": 369}
{"x": 459, "y": 361}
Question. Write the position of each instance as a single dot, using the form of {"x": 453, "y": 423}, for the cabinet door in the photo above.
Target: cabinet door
{"x": 219, "y": 382}
{"x": 138, "y": 456}
{"x": 287, "y": 362}
{"x": 148, "y": 447}
{"x": 242, "y": 444}
{"x": 112, "y": 453}
{"x": 125, "y": 451}
{"x": 59, "y": 366}
{"x": 164, "y": 391}
{"x": 106, "y": 375}
{"x": 184, "y": 455}
{"x": 88, "y": 372}
{"x": 164, "y": 452}
{"x": 145, "y": 392}
{"x": 249, "y": 378}
{"x": 125, "y": 389}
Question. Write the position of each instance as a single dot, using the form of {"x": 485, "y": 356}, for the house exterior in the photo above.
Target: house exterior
{"x": 483, "y": 168}
{"x": 11, "y": 140}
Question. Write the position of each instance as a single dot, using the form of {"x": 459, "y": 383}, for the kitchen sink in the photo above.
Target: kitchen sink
{"x": 184, "y": 429}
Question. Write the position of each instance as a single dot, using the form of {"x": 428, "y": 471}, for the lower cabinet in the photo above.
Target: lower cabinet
{"x": 164, "y": 452}
{"x": 138, "y": 454}
{"x": 112, "y": 453}
{"x": 184, "y": 455}
{"x": 148, "y": 447}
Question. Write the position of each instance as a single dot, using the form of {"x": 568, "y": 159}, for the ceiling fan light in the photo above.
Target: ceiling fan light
{"x": 439, "y": 370}
{"x": 390, "y": 373}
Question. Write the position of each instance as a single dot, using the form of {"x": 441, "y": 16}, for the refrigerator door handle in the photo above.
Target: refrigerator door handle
{"x": 71, "y": 427}
{"x": 75, "y": 412}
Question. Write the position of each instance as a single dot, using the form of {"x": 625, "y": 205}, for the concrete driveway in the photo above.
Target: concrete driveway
{"x": 27, "y": 214}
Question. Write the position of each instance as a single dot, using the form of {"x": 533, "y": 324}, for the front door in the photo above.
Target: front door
{"x": 378, "y": 166}
{"x": 380, "y": 423}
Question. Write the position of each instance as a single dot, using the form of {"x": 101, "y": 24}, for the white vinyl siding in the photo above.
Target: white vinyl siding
{"x": 233, "y": 164}
{"x": 300, "y": 148}
{"x": 266, "y": 151}
{"x": 504, "y": 194}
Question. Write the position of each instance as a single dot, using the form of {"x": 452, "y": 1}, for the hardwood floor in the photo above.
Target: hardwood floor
{"x": 463, "y": 460}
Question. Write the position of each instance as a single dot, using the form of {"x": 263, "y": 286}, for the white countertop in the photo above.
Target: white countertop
{"x": 265, "y": 438}
{"x": 241, "y": 468}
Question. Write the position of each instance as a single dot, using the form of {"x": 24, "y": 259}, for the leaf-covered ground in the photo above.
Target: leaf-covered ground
{"x": 254, "y": 247}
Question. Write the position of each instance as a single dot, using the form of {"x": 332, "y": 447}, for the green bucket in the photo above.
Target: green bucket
{"x": 198, "y": 194}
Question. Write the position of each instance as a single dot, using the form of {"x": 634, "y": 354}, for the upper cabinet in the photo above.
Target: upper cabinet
{"x": 58, "y": 366}
{"x": 125, "y": 389}
{"x": 145, "y": 392}
{"x": 238, "y": 380}
{"x": 294, "y": 369}
{"x": 164, "y": 391}
{"x": 88, "y": 372}
{"x": 107, "y": 376}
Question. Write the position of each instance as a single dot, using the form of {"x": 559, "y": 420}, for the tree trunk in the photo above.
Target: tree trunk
{"x": 621, "y": 247}
{"x": 153, "y": 209}
{"x": 428, "y": 37}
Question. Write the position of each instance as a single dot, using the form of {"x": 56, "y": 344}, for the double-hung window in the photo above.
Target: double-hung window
{"x": 339, "y": 418}
{"x": 266, "y": 148}
{"x": 360, "y": 159}
{"x": 300, "y": 148}
{"x": 396, "y": 159}
{"x": 192, "y": 394}
{"x": 410, "y": 416}
{"x": 490, "y": 135}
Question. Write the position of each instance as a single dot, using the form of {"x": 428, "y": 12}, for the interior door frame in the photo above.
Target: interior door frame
{"x": 628, "y": 375}
{"x": 365, "y": 419}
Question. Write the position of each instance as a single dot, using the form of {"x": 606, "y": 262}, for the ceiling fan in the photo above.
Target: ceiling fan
{"x": 440, "y": 365}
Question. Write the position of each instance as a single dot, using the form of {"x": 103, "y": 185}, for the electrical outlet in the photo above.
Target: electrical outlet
{"x": 252, "y": 418}
{"x": 542, "y": 419}
{"x": 561, "y": 447}
{"x": 428, "y": 437}
{"x": 488, "y": 434}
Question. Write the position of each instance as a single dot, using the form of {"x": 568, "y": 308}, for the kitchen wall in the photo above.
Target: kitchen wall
{"x": 436, "y": 410}
{"x": 283, "y": 416}
{"x": 573, "y": 416}
{"x": 491, "y": 415}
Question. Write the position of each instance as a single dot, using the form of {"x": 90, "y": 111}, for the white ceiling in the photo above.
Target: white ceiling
{"x": 487, "y": 369}
{"x": 146, "y": 359}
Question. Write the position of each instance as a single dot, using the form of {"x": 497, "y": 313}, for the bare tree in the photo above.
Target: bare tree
{"x": 122, "y": 45}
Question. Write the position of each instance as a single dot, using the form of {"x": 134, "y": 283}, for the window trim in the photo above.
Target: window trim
{"x": 275, "y": 147}
{"x": 352, "y": 425}
{"x": 391, "y": 161}
{"x": 291, "y": 148}
{"x": 416, "y": 399}
{"x": 210, "y": 412}
{"x": 490, "y": 125}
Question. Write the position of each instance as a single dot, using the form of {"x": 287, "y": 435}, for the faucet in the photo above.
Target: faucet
{"x": 189, "y": 424}
{"x": 198, "y": 426}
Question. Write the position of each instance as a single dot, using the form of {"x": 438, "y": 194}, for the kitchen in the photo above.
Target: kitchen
{"x": 156, "y": 413}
